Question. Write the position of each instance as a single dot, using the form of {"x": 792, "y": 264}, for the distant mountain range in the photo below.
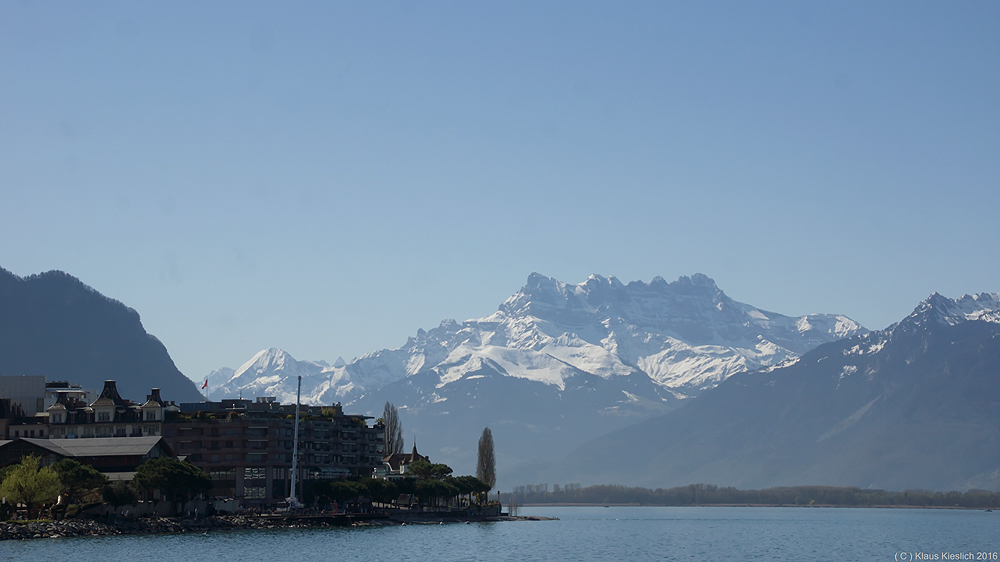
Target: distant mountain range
{"x": 656, "y": 384}
{"x": 53, "y": 325}
{"x": 554, "y": 366}
{"x": 914, "y": 406}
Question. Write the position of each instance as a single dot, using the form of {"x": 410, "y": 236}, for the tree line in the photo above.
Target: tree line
{"x": 68, "y": 482}
{"x": 708, "y": 494}
{"x": 430, "y": 485}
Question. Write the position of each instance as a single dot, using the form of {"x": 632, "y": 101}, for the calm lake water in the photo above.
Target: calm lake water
{"x": 582, "y": 533}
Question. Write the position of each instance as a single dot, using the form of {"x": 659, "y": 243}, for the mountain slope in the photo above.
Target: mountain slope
{"x": 914, "y": 406}
{"x": 53, "y": 325}
{"x": 555, "y": 363}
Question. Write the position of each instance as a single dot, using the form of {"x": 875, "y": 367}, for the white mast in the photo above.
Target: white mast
{"x": 293, "y": 501}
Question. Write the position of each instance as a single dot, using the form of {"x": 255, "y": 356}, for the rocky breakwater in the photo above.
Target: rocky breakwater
{"x": 14, "y": 530}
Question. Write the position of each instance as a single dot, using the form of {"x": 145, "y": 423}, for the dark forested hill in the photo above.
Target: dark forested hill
{"x": 54, "y": 325}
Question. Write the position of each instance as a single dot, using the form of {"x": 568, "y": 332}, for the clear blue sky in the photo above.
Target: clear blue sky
{"x": 329, "y": 177}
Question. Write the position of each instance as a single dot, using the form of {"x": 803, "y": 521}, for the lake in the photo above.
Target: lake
{"x": 582, "y": 533}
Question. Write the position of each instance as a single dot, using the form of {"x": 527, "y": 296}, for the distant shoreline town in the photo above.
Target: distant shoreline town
{"x": 70, "y": 452}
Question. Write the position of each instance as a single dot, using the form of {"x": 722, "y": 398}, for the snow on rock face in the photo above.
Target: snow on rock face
{"x": 983, "y": 307}
{"x": 273, "y": 372}
{"x": 685, "y": 336}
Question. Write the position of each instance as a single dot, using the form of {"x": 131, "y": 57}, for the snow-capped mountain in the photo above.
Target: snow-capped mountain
{"x": 894, "y": 409}
{"x": 685, "y": 336}
{"x": 556, "y": 362}
{"x": 272, "y": 372}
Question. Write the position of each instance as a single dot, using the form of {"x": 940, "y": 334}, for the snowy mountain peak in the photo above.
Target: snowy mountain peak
{"x": 271, "y": 372}
{"x": 698, "y": 280}
{"x": 679, "y": 337}
{"x": 269, "y": 358}
{"x": 981, "y": 306}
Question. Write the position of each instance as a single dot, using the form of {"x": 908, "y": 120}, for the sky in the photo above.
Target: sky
{"x": 329, "y": 177}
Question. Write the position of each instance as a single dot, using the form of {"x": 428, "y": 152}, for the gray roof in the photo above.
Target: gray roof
{"x": 98, "y": 446}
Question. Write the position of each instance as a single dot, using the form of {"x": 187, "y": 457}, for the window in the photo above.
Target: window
{"x": 104, "y": 416}
{"x": 254, "y": 473}
{"x": 223, "y": 474}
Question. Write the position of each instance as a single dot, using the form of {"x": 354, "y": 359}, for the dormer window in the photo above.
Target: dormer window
{"x": 150, "y": 416}
{"x": 104, "y": 416}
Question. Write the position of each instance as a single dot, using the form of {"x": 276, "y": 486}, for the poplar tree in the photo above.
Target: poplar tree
{"x": 393, "y": 430}
{"x": 486, "y": 468}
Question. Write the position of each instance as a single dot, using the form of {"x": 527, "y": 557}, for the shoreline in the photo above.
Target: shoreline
{"x": 824, "y": 506}
{"x": 67, "y": 528}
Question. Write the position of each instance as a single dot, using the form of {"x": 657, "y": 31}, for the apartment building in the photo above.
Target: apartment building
{"x": 246, "y": 446}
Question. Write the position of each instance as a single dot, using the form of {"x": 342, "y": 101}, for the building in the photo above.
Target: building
{"x": 56, "y": 390}
{"x": 24, "y": 403}
{"x": 118, "y": 458}
{"x": 396, "y": 465}
{"x": 109, "y": 415}
{"x": 246, "y": 446}
{"x": 26, "y": 392}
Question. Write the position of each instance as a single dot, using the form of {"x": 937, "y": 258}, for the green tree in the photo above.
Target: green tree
{"x": 424, "y": 470}
{"x": 406, "y": 485}
{"x": 420, "y": 469}
{"x": 382, "y": 491}
{"x": 345, "y": 490}
{"x": 30, "y": 484}
{"x": 472, "y": 485}
{"x": 121, "y": 493}
{"x": 177, "y": 480}
{"x": 430, "y": 489}
{"x": 78, "y": 479}
{"x": 486, "y": 467}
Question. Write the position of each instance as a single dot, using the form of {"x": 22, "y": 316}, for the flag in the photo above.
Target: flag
{"x": 204, "y": 386}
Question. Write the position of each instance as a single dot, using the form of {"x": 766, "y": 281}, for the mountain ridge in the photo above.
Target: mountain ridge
{"x": 52, "y": 324}
{"x": 594, "y": 356}
{"x": 890, "y": 409}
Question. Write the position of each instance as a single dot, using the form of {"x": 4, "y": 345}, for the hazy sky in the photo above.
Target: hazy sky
{"x": 329, "y": 177}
